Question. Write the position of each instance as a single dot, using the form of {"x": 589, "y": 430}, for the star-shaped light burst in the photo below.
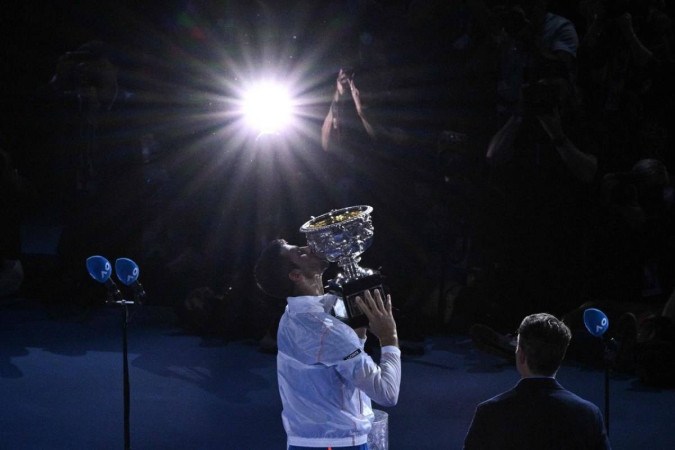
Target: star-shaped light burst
{"x": 267, "y": 107}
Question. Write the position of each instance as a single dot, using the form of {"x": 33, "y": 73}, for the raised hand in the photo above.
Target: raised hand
{"x": 356, "y": 95}
{"x": 380, "y": 317}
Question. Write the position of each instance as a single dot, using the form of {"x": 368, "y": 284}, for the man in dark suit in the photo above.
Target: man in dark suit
{"x": 538, "y": 413}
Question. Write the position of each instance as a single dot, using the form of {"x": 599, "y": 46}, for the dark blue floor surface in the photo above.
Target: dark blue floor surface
{"x": 61, "y": 388}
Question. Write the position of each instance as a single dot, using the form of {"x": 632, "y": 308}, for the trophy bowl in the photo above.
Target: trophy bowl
{"x": 342, "y": 236}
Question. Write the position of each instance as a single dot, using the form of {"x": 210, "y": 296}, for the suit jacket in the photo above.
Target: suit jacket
{"x": 537, "y": 414}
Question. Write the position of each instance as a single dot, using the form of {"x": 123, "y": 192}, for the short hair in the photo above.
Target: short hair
{"x": 544, "y": 339}
{"x": 272, "y": 269}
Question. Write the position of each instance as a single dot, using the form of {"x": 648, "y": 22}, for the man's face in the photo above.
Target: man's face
{"x": 304, "y": 259}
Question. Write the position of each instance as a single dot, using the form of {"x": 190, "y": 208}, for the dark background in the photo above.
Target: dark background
{"x": 179, "y": 65}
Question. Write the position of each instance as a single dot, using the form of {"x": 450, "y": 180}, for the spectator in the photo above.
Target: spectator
{"x": 543, "y": 162}
{"x": 347, "y": 135}
{"x": 623, "y": 78}
{"x": 633, "y": 247}
{"x": 538, "y": 413}
{"x": 632, "y": 271}
{"x": 101, "y": 165}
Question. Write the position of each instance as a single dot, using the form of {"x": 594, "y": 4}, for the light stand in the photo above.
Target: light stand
{"x": 597, "y": 323}
{"x": 127, "y": 271}
{"x": 609, "y": 355}
{"x": 125, "y": 369}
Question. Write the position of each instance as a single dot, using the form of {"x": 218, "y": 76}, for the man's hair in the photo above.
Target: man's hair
{"x": 272, "y": 269}
{"x": 544, "y": 339}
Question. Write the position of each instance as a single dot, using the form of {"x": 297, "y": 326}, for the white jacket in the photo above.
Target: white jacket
{"x": 326, "y": 379}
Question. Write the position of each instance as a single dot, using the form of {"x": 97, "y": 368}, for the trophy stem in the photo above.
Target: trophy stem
{"x": 351, "y": 270}
{"x": 350, "y": 267}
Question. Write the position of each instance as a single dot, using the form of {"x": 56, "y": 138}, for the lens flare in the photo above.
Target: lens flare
{"x": 267, "y": 107}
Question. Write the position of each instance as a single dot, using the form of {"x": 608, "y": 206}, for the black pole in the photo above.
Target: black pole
{"x": 607, "y": 398}
{"x": 125, "y": 364}
{"x": 610, "y": 356}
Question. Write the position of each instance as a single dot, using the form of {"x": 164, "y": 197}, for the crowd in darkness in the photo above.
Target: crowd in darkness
{"x": 518, "y": 161}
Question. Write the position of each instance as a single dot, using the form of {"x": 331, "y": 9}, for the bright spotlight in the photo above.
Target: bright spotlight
{"x": 267, "y": 107}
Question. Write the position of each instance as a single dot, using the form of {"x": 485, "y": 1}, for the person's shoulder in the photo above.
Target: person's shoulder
{"x": 339, "y": 341}
{"x": 326, "y": 339}
{"x": 314, "y": 323}
{"x": 571, "y": 397}
{"x": 554, "y": 22}
{"x": 337, "y": 332}
{"x": 581, "y": 408}
{"x": 560, "y": 34}
{"x": 498, "y": 400}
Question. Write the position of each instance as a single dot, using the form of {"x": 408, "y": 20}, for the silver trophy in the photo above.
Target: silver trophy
{"x": 341, "y": 236}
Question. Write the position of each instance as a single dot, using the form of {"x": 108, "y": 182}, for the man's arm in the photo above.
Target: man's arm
{"x": 330, "y": 117}
{"x": 356, "y": 95}
{"x": 326, "y": 128}
{"x": 603, "y": 439}
{"x": 381, "y": 383}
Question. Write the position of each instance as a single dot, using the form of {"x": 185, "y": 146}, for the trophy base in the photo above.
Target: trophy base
{"x": 346, "y": 308}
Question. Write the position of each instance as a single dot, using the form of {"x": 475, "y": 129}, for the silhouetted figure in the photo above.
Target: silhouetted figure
{"x": 538, "y": 413}
{"x": 543, "y": 164}
{"x": 625, "y": 72}
{"x": 347, "y": 135}
{"x": 100, "y": 161}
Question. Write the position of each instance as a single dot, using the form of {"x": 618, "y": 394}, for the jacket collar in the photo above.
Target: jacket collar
{"x": 538, "y": 383}
{"x": 311, "y": 303}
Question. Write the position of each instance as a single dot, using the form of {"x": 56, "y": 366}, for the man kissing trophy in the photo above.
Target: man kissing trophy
{"x": 341, "y": 236}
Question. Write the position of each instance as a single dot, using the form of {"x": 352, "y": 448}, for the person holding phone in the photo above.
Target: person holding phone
{"x": 347, "y": 137}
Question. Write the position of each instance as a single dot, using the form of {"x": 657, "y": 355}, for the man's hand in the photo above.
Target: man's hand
{"x": 380, "y": 318}
{"x": 356, "y": 96}
{"x": 342, "y": 80}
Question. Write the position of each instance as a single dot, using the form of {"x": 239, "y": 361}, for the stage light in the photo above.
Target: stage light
{"x": 267, "y": 107}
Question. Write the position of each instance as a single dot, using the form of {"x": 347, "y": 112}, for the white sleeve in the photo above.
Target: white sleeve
{"x": 381, "y": 383}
